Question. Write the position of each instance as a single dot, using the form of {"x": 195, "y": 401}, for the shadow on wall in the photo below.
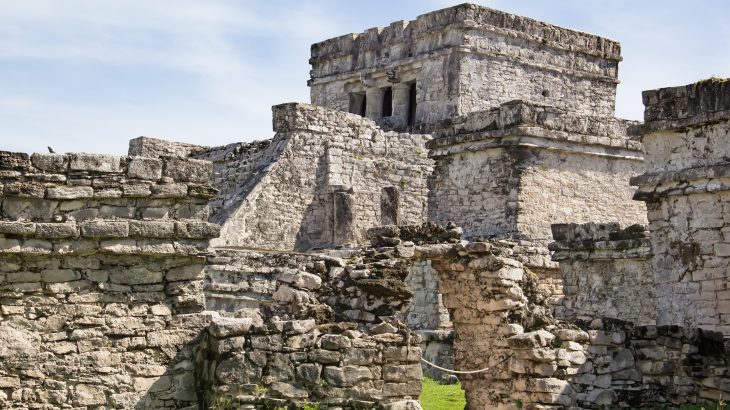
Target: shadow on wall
{"x": 175, "y": 386}
{"x": 316, "y": 226}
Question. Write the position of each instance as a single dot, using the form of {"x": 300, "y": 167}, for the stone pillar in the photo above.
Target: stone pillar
{"x": 374, "y": 108}
{"x": 686, "y": 139}
{"x": 343, "y": 207}
{"x": 390, "y": 206}
{"x": 483, "y": 295}
{"x": 400, "y": 105}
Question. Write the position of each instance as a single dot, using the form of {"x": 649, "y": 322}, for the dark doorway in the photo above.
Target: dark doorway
{"x": 387, "y": 101}
{"x": 412, "y": 104}
{"x": 358, "y": 102}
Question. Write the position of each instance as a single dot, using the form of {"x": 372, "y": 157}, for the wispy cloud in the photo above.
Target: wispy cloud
{"x": 89, "y": 74}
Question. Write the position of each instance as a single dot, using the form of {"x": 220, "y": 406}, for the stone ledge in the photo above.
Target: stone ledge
{"x": 691, "y": 102}
{"x": 655, "y": 186}
{"x": 83, "y": 166}
{"x": 475, "y": 17}
{"x": 595, "y": 240}
{"x": 111, "y": 229}
{"x": 520, "y": 117}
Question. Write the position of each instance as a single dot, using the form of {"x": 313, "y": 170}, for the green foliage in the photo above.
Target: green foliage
{"x": 403, "y": 184}
{"x": 720, "y": 405}
{"x": 437, "y": 396}
{"x": 311, "y": 406}
{"x": 260, "y": 390}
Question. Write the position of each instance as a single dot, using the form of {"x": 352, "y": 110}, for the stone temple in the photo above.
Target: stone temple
{"x": 458, "y": 192}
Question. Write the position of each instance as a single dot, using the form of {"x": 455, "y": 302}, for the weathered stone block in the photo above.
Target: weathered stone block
{"x": 95, "y": 163}
{"x": 334, "y": 342}
{"x": 145, "y": 168}
{"x": 152, "y": 229}
{"x": 105, "y": 229}
{"x": 57, "y": 230}
{"x": 70, "y": 192}
{"x": 50, "y": 162}
{"x": 190, "y": 170}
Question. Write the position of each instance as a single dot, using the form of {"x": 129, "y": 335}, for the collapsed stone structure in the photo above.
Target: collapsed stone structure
{"x": 456, "y": 192}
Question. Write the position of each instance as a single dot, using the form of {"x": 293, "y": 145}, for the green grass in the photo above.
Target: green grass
{"x": 437, "y": 396}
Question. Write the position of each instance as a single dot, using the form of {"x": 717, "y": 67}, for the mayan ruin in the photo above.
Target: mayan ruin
{"x": 457, "y": 200}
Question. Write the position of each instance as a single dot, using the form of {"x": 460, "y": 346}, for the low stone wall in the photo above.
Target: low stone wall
{"x": 101, "y": 261}
{"x": 617, "y": 364}
{"x": 606, "y": 272}
{"x": 529, "y": 359}
{"x": 282, "y": 363}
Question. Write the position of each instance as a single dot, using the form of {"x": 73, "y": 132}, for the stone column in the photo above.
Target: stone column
{"x": 400, "y": 105}
{"x": 483, "y": 294}
{"x": 686, "y": 139}
{"x": 343, "y": 216}
{"x": 374, "y": 108}
{"x": 390, "y": 206}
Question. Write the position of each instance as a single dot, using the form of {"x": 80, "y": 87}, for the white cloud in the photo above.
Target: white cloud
{"x": 234, "y": 59}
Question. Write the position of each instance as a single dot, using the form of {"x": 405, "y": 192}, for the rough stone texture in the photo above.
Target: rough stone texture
{"x": 318, "y": 152}
{"x": 685, "y": 186}
{"x": 513, "y": 170}
{"x": 463, "y": 59}
{"x": 268, "y": 365}
{"x": 503, "y": 325}
{"x": 94, "y": 312}
{"x": 606, "y": 272}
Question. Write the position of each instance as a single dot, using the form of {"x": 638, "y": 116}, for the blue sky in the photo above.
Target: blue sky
{"x": 88, "y": 75}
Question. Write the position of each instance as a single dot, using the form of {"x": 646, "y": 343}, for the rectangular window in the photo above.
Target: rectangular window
{"x": 412, "y": 104}
{"x": 387, "y": 101}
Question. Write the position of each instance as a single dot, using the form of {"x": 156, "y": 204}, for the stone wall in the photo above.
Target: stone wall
{"x": 606, "y": 272}
{"x": 513, "y": 170}
{"x": 334, "y": 175}
{"x": 233, "y": 166}
{"x": 462, "y": 59}
{"x": 686, "y": 188}
{"x": 278, "y": 363}
{"x": 529, "y": 359}
{"x": 101, "y": 262}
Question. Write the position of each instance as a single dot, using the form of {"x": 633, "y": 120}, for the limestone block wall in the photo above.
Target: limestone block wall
{"x": 513, "y": 170}
{"x": 233, "y": 166}
{"x": 463, "y": 59}
{"x": 686, "y": 138}
{"x": 326, "y": 184}
{"x": 606, "y": 272}
{"x": 529, "y": 359}
{"x": 300, "y": 362}
{"x": 101, "y": 261}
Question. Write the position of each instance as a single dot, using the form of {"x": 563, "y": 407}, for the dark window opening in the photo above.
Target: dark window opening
{"x": 358, "y": 102}
{"x": 412, "y": 104}
{"x": 388, "y": 102}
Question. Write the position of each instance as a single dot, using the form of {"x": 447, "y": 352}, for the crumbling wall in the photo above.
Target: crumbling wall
{"x": 524, "y": 357}
{"x": 281, "y": 362}
{"x": 513, "y": 170}
{"x": 686, "y": 138}
{"x": 606, "y": 272}
{"x": 101, "y": 262}
{"x": 326, "y": 185}
{"x": 233, "y": 166}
